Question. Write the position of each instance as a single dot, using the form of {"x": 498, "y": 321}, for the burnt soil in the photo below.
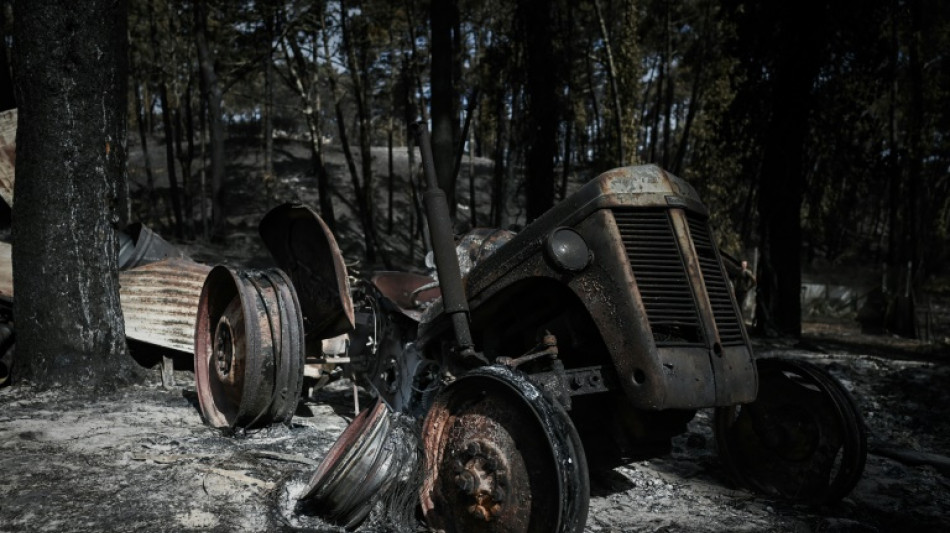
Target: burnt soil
{"x": 141, "y": 458}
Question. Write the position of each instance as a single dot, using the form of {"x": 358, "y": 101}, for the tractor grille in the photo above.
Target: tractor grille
{"x": 720, "y": 299}
{"x": 661, "y": 277}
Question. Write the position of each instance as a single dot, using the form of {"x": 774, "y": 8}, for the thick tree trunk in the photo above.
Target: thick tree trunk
{"x": 781, "y": 179}
{"x": 7, "y": 99}
{"x": 72, "y": 76}
{"x": 543, "y": 111}
{"x": 444, "y": 116}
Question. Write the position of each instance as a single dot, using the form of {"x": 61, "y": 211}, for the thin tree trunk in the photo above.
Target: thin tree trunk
{"x": 365, "y": 221}
{"x": 168, "y": 130}
{"x": 267, "y": 110}
{"x": 211, "y": 92}
{"x": 305, "y": 86}
{"x": 173, "y": 189}
{"x": 668, "y": 105}
{"x": 694, "y": 105}
{"x": 143, "y": 139}
{"x": 612, "y": 79}
{"x": 392, "y": 177}
{"x": 597, "y": 118}
{"x": 184, "y": 160}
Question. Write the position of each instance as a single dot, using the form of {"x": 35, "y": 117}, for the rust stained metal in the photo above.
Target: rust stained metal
{"x": 305, "y": 248}
{"x": 500, "y": 457}
{"x": 159, "y": 302}
{"x": 411, "y": 293}
{"x": 360, "y": 467}
{"x": 249, "y": 352}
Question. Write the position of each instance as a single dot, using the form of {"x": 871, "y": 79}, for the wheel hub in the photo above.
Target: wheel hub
{"x": 481, "y": 474}
{"x": 224, "y": 350}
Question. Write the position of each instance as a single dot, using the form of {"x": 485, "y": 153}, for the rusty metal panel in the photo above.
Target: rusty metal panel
{"x": 160, "y": 302}
{"x": 7, "y": 154}
{"x": 305, "y": 248}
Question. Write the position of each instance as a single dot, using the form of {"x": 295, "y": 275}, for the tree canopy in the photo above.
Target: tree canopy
{"x": 819, "y": 123}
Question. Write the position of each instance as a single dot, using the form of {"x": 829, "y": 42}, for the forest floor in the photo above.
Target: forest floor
{"x": 141, "y": 459}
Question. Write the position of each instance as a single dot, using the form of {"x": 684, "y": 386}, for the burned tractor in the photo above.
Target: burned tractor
{"x": 589, "y": 339}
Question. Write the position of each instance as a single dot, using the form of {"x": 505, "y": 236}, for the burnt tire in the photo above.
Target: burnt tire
{"x": 802, "y": 439}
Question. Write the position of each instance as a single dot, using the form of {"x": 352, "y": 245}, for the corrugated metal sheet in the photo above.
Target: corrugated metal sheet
{"x": 160, "y": 302}
{"x": 7, "y": 154}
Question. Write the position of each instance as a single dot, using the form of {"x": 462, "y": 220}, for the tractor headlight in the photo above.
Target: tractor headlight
{"x": 568, "y": 250}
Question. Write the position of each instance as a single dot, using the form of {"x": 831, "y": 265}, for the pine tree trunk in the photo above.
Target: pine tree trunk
{"x": 543, "y": 110}
{"x": 211, "y": 93}
{"x": 71, "y": 158}
{"x": 444, "y": 116}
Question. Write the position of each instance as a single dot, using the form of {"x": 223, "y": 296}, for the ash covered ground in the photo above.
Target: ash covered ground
{"x": 141, "y": 459}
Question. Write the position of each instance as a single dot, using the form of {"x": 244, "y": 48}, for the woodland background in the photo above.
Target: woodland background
{"x": 815, "y": 132}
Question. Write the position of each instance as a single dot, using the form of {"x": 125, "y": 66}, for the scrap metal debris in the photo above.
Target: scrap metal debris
{"x": 249, "y": 348}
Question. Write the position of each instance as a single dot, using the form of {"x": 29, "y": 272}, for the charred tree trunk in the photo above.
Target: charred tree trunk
{"x": 211, "y": 93}
{"x": 143, "y": 140}
{"x": 542, "y": 110}
{"x": 612, "y": 79}
{"x": 7, "y": 99}
{"x": 267, "y": 110}
{"x": 71, "y": 160}
{"x": 369, "y": 241}
{"x": 444, "y": 115}
{"x": 174, "y": 196}
{"x": 173, "y": 189}
{"x": 185, "y": 157}
{"x": 303, "y": 81}
{"x": 781, "y": 179}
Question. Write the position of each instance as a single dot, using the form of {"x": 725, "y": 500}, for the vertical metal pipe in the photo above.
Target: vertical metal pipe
{"x": 454, "y": 301}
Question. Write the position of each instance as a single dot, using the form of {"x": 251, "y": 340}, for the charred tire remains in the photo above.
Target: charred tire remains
{"x": 803, "y": 437}
{"x": 249, "y": 348}
{"x": 500, "y": 457}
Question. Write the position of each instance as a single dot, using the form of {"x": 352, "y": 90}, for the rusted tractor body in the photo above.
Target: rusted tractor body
{"x": 589, "y": 338}
{"x": 625, "y": 276}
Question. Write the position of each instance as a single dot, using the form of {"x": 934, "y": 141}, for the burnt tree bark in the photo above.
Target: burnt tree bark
{"x": 7, "y": 100}
{"x": 444, "y": 114}
{"x": 212, "y": 95}
{"x": 71, "y": 82}
{"x": 303, "y": 80}
{"x": 542, "y": 109}
{"x": 781, "y": 180}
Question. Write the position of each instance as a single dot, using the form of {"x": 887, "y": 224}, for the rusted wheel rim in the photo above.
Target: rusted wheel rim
{"x": 501, "y": 457}
{"x": 357, "y": 469}
{"x": 248, "y": 348}
{"x": 803, "y": 438}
